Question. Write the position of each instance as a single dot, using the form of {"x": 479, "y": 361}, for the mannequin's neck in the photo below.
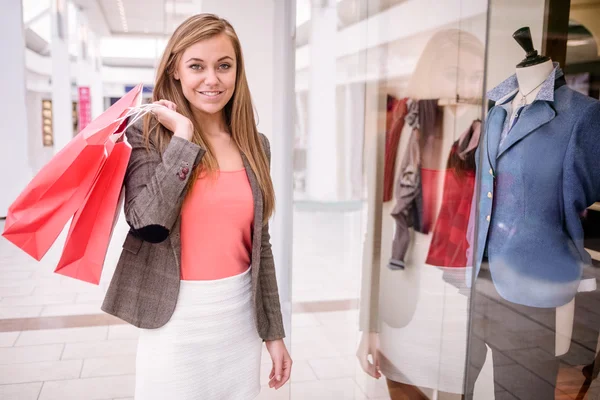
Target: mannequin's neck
{"x": 531, "y": 78}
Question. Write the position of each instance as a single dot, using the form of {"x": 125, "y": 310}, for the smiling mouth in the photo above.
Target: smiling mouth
{"x": 212, "y": 93}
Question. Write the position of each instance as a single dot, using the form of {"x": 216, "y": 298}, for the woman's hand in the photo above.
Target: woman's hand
{"x": 282, "y": 363}
{"x": 369, "y": 346}
{"x": 177, "y": 123}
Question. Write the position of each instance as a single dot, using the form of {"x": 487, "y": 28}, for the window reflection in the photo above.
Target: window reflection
{"x": 415, "y": 325}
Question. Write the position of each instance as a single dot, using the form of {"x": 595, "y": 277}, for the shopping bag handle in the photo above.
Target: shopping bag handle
{"x": 136, "y": 112}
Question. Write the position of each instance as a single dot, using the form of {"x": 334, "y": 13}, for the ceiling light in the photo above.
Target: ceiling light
{"x": 122, "y": 14}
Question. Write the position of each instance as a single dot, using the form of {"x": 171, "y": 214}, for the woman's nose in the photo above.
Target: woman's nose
{"x": 211, "y": 77}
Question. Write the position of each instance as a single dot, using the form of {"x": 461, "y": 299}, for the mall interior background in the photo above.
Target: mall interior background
{"x": 325, "y": 76}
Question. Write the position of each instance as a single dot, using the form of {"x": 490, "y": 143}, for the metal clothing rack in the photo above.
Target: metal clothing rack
{"x": 476, "y": 101}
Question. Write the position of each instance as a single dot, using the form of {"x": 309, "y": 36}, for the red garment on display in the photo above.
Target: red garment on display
{"x": 396, "y": 111}
{"x": 429, "y": 185}
{"x": 449, "y": 243}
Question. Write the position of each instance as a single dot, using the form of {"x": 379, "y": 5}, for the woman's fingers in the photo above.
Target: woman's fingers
{"x": 277, "y": 372}
{"x": 169, "y": 104}
{"x": 287, "y": 370}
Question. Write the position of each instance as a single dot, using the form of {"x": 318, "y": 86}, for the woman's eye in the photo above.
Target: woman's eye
{"x": 196, "y": 66}
{"x": 225, "y": 66}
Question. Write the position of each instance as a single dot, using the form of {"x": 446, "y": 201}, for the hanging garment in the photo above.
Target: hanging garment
{"x": 532, "y": 190}
{"x": 430, "y": 117}
{"x": 449, "y": 243}
{"x": 396, "y": 112}
{"x": 409, "y": 202}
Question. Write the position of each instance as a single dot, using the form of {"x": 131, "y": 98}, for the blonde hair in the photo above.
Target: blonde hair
{"x": 238, "y": 112}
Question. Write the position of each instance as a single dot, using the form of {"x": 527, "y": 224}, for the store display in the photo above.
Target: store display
{"x": 559, "y": 129}
{"x": 536, "y": 176}
{"x": 412, "y": 304}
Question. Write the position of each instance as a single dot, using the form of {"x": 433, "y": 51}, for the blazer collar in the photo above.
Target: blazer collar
{"x": 533, "y": 116}
{"x": 508, "y": 89}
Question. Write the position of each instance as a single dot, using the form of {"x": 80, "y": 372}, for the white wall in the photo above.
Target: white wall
{"x": 62, "y": 71}
{"x": 14, "y": 168}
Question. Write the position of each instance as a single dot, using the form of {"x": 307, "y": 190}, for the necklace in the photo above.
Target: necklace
{"x": 523, "y": 101}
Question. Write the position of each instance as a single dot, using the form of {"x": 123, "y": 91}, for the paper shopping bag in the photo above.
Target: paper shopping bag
{"x": 90, "y": 232}
{"x": 41, "y": 211}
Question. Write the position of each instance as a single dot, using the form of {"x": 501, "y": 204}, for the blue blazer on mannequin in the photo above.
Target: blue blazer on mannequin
{"x": 533, "y": 187}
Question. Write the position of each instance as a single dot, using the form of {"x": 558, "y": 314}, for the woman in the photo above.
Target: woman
{"x": 197, "y": 272}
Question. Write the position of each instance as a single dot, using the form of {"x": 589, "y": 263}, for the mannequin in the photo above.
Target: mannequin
{"x": 536, "y": 175}
{"x": 530, "y": 79}
{"x": 531, "y": 72}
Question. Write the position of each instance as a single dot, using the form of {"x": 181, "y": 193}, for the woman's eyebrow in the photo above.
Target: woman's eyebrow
{"x": 201, "y": 60}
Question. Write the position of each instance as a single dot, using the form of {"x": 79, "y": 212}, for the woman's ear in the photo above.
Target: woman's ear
{"x": 176, "y": 76}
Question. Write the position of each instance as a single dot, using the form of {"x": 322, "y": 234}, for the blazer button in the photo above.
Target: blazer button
{"x": 488, "y": 218}
{"x": 489, "y": 195}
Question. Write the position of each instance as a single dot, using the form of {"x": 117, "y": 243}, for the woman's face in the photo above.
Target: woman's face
{"x": 207, "y": 72}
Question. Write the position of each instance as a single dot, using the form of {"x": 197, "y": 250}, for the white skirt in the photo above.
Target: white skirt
{"x": 209, "y": 349}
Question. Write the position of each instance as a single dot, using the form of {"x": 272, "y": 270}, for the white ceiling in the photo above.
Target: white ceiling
{"x": 137, "y": 17}
{"x": 130, "y": 32}
{"x": 133, "y": 32}
{"x": 143, "y": 17}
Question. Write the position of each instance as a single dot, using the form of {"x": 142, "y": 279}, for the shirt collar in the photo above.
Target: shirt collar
{"x": 507, "y": 89}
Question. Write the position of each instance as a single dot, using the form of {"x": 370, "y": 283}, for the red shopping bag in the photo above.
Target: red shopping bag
{"x": 42, "y": 210}
{"x": 90, "y": 232}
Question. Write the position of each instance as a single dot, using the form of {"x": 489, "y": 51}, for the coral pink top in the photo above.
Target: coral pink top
{"x": 216, "y": 227}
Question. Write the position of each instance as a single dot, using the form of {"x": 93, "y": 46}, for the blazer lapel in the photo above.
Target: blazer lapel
{"x": 175, "y": 235}
{"x": 537, "y": 114}
{"x": 258, "y": 216}
{"x": 176, "y": 242}
{"x": 494, "y": 131}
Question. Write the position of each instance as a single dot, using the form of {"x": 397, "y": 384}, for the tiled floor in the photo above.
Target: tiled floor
{"x": 98, "y": 362}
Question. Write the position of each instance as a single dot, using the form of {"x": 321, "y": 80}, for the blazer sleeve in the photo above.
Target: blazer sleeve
{"x": 155, "y": 183}
{"x": 581, "y": 176}
{"x": 267, "y": 277}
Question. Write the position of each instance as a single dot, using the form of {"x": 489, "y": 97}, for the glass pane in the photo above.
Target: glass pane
{"x": 328, "y": 197}
{"x": 423, "y": 123}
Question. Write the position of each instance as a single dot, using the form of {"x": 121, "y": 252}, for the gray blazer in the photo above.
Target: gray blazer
{"x": 145, "y": 286}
